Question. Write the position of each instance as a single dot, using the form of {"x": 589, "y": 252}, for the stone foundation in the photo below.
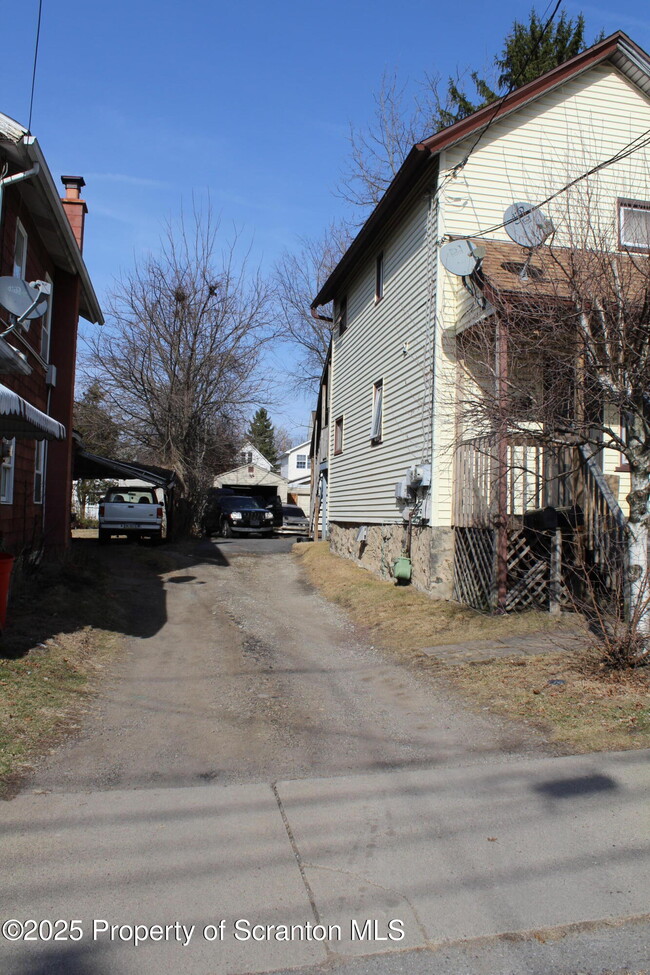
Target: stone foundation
{"x": 432, "y": 553}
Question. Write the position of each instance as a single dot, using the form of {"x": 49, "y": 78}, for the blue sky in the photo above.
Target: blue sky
{"x": 249, "y": 102}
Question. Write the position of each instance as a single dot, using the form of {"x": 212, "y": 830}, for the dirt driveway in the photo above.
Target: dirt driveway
{"x": 242, "y": 673}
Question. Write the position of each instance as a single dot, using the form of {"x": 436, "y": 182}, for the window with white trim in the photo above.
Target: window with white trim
{"x": 46, "y": 325}
{"x": 7, "y": 452}
{"x": 338, "y": 435}
{"x": 20, "y": 252}
{"x": 377, "y": 411}
{"x": 301, "y": 462}
{"x": 634, "y": 225}
{"x": 39, "y": 472}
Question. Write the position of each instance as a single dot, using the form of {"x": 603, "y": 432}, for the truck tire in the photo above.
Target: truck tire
{"x": 103, "y": 536}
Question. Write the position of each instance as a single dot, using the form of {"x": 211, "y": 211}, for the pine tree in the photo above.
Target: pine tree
{"x": 261, "y": 434}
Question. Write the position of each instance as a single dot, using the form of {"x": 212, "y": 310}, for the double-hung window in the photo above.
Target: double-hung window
{"x": 301, "y": 462}
{"x": 634, "y": 225}
{"x": 7, "y": 450}
{"x": 39, "y": 471}
{"x": 20, "y": 252}
{"x": 338, "y": 436}
{"x": 377, "y": 411}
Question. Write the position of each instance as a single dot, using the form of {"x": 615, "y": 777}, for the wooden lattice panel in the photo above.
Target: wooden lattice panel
{"x": 474, "y": 567}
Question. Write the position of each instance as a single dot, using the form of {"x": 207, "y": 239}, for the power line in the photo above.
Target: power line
{"x": 38, "y": 35}
{"x": 640, "y": 142}
{"x": 513, "y": 84}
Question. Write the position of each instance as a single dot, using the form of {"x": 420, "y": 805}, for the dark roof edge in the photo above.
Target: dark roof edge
{"x": 415, "y": 164}
{"x": 551, "y": 79}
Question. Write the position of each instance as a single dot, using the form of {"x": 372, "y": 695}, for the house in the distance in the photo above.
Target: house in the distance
{"x": 295, "y": 466}
{"x": 405, "y": 471}
{"x": 249, "y": 454}
{"x": 41, "y": 240}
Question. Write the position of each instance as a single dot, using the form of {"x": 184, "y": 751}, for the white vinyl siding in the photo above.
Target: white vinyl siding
{"x": 539, "y": 148}
{"x": 390, "y": 339}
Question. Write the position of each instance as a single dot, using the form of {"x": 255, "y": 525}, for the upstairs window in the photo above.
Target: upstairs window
{"x": 20, "y": 252}
{"x": 634, "y": 225}
{"x": 7, "y": 451}
{"x": 338, "y": 436}
{"x": 46, "y": 326}
{"x": 379, "y": 277}
{"x": 377, "y": 411}
{"x": 301, "y": 461}
{"x": 342, "y": 316}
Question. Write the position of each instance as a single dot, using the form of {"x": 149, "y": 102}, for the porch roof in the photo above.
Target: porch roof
{"x": 18, "y": 418}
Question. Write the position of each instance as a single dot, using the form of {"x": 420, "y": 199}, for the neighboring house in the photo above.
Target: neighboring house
{"x": 41, "y": 239}
{"x": 249, "y": 454}
{"x": 392, "y": 471}
{"x": 295, "y": 466}
{"x": 251, "y": 479}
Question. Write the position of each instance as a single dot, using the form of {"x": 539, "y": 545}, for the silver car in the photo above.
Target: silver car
{"x": 294, "y": 520}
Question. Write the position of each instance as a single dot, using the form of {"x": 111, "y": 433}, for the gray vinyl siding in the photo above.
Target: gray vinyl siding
{"x": 363, "y": 476}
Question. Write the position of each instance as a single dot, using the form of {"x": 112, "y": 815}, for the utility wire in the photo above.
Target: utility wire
{"x": 512, "y": 87}
{"x": 38, "y": 35}
{"x": 640, "y": 142}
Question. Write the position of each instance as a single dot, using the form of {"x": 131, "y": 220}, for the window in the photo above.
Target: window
{"x": 634, "y": 225}
{"x": 301, "y": 461}
{"x": 46, "y": 326}
{"x": 247, "y": 457}
{"x": 342, "y": 316}
{"x": 338, "y": 436}
{"x": 39, "y": 471}
{"x": 377, "y": 411}
{"x": 379, "y": 277}
{"x": 20, "y": 252}
{"x": 7, "y": 450}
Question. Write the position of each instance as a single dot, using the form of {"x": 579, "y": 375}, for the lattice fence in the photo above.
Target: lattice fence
{"x": 474, "y": 567}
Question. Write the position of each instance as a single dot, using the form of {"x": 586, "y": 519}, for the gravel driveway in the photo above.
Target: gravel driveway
{"x": 245, "y": 674}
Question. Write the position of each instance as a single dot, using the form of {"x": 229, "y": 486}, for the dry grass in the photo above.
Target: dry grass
{"x": 593, "y": 710}
{"x": 401, "y": 617}
{"x": 51, "y": 658}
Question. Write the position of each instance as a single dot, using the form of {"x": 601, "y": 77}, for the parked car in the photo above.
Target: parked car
{"x": 135, "y": 512}
{"x": 294, "y": 520}
{"x": 236, "y": 514}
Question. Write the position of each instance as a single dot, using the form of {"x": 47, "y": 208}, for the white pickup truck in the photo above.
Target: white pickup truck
{"x": 134, "y": 511}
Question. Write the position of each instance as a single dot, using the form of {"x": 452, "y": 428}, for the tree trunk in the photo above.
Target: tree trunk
{"x": 637, "y": 569}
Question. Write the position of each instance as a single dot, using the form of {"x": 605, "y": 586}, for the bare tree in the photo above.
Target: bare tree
{"x": 298, "y": 277}
{"x": 564, "y": 361}
{"x": 179, "y": 361}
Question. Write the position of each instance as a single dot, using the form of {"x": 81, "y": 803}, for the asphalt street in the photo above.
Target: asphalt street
{"x": 257, "y": 790}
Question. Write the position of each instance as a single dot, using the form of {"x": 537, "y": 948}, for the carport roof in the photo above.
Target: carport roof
{"x": 88, "y": 465}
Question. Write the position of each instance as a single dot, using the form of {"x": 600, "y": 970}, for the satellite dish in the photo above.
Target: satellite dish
{"x": 21, "y": 299}
{"x": 460, "y": 256}
{"x": 526, "y": 226}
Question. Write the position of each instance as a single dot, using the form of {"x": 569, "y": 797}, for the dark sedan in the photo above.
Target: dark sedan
{"x": 233, "y": 514}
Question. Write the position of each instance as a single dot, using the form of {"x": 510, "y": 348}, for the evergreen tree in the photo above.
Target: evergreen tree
{"x": 261, "y": 434}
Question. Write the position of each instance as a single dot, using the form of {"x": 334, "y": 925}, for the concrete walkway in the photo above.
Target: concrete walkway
{"x": 421, "y": 859}
{"x": 482, "y": 651}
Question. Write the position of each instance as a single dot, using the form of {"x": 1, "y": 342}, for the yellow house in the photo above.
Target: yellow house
{"x": 398, "y": 481}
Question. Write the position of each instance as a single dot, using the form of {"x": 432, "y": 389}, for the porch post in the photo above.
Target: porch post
{"x": 502, "y": 467}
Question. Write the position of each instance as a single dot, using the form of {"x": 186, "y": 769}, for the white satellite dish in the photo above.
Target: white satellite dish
{"x": 461, "y": 256}
{"x": 25, "y": 301}
{"x": 526, "y": 226}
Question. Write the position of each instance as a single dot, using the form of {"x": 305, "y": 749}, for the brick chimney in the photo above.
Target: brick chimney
{"x": 74, "y": 206}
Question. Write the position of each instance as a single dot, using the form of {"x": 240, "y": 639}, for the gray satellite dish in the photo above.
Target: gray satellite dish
{"x": 460, "y": 256}
{"x": 18, "y": 297}
{"x": 526, "y": 226}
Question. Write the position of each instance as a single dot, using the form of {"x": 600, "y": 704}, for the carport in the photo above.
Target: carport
{"x": 93, "y": 466}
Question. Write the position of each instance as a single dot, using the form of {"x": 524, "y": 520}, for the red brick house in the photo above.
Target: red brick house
{"x": 41, "y": 239}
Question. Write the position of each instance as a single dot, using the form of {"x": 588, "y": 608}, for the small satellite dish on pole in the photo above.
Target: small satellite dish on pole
{"x": 25, "y": 301}
{"x": 461, "y": 256}
{"x": 526, "y": 226}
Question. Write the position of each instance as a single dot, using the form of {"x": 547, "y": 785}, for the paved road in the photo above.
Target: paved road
{"x": 252, "y": 759}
